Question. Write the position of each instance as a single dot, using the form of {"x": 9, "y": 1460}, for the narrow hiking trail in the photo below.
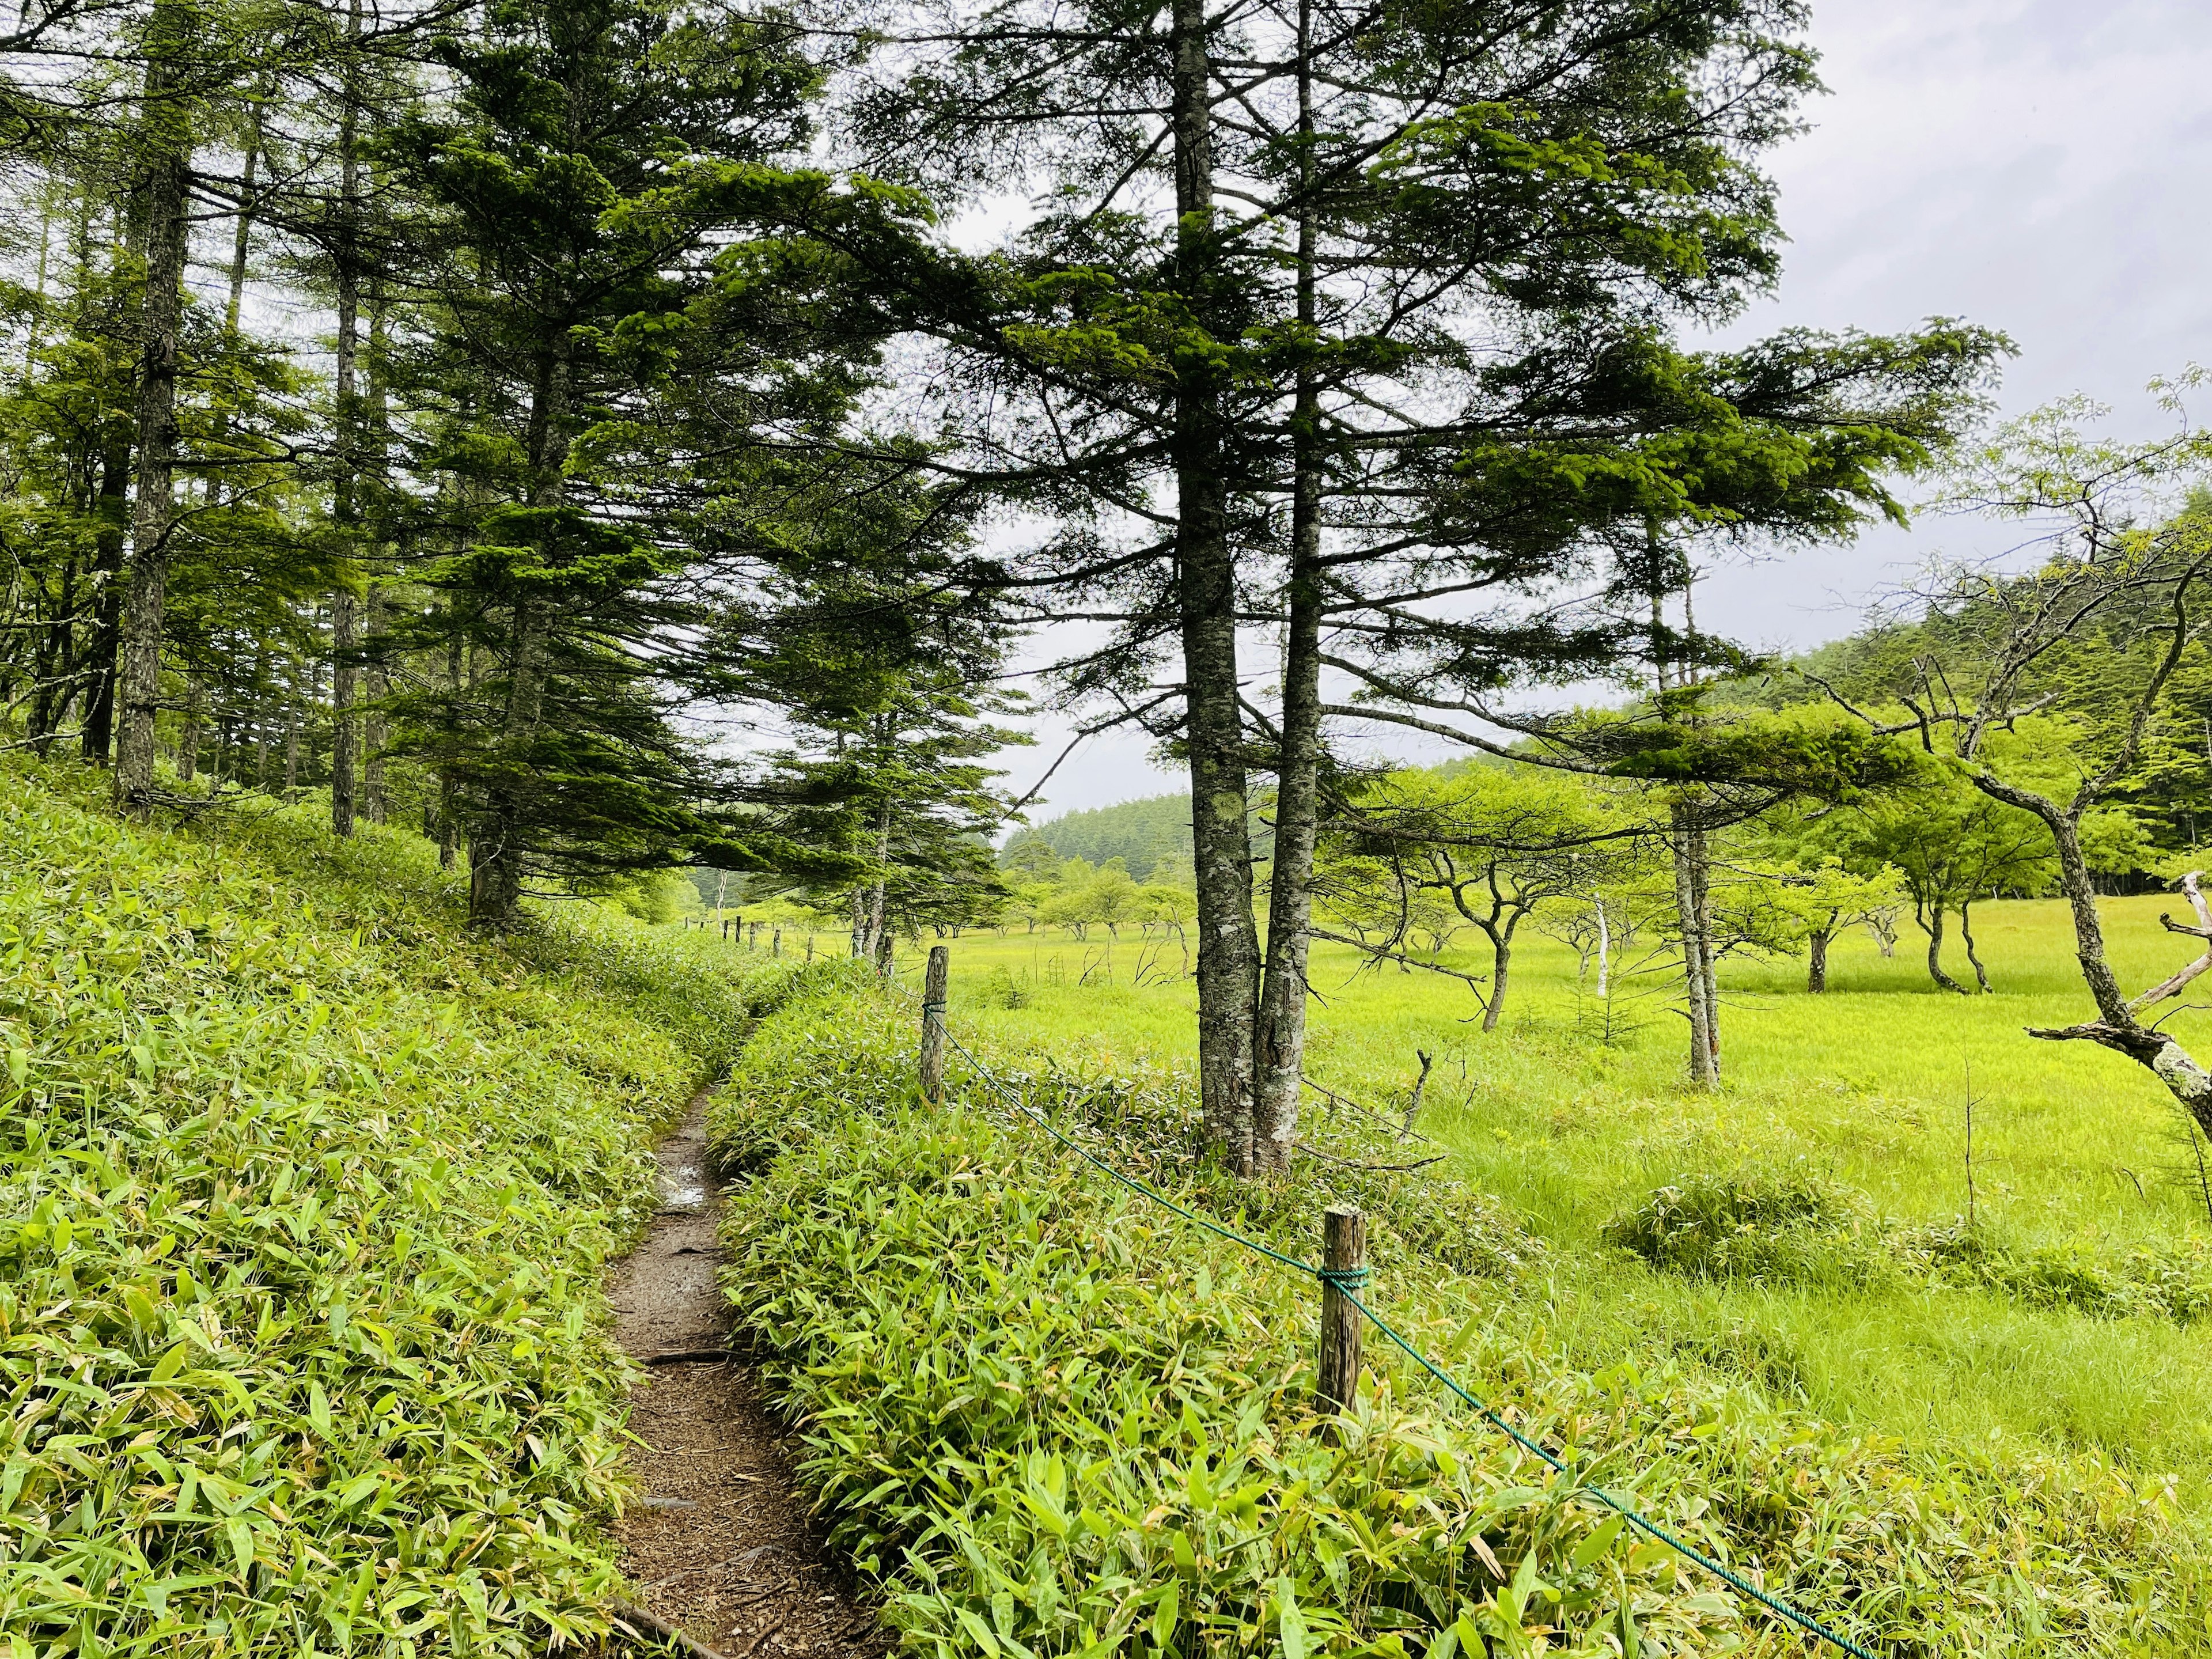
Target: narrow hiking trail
{"x": 719, "y": 1544}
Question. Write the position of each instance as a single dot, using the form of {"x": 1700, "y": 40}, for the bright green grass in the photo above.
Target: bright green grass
{"x": 1866, "y": 1084}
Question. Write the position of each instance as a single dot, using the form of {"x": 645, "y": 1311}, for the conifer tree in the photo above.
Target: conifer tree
{"x": 1352, "y": 320}
{"x": 574, "y": 189}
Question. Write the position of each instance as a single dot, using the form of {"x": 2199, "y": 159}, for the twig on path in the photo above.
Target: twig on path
{"x": 652, "y": 1624}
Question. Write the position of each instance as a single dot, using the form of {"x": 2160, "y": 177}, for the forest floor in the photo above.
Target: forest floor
{"x": 721, "y": 1545}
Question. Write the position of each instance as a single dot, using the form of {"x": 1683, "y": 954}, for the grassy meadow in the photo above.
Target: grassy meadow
{"x": 2077, "y": 1155}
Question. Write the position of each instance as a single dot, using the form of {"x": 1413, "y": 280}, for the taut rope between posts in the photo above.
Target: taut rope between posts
{"x": 1348, "y": 1282}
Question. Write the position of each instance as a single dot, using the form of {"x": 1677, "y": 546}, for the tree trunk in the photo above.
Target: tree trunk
{"x": 113, "y": 513}
{"x": 345, "y": 637}
{"x": 1696, "y": 982}
{"x": 374, "y": 734}
{"x": 241, "y": 247}
{"x": 1604, "y": 949}
{"x": 496, "y": 905}
{"x": 1816, "y": 974}
{"x": 292, "y": 744}
{"x": 1701, "y": 870}
{"x": 345, "y": 605}
{"x": 188, "y": 740}
{"x": 1966, "y": 936}
{"x": 2185, "y": 1078}
{"x": 376, "y": 681}
{"x": 1501, "y": 968}
{"x": 54, "y": 666}
{"x": 1229, "y": 940}
{"x": 1931, "y": 923}
{"x": 1279, "y": 1049}
{"x": 165, "y": 138}
{"x": 449, "y": 828}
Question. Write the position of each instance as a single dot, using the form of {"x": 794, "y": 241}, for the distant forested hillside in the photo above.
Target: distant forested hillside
{"x": 1142, "y": 834}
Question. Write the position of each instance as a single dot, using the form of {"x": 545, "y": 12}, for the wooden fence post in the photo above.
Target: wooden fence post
{"x": 933, "y": 1025}
{"x": 775, "y": 947}
{"x": 1344, "y": 1251}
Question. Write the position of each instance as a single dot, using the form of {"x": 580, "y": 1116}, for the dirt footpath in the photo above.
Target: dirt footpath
{"x": 720, "y": 1544}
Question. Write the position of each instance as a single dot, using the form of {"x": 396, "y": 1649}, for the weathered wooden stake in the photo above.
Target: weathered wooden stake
{"x": 1344, "y": 1250}
{"x": 933, "y": 1025}
{"x": 775, "y": 947}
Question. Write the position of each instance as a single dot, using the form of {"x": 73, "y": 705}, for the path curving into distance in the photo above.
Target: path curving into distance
{"x": 719, "y": 1546}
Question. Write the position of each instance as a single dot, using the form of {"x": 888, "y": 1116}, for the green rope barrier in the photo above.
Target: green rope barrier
{"x": 1348, "y": 1282}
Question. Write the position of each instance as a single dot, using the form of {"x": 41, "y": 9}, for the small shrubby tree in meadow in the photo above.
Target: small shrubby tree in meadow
{"x": 2098, "y": 631}
{"x": 1495, "y": 844}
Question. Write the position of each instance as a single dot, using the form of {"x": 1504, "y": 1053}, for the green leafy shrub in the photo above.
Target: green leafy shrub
{"x": 1029, "y": 1402}
{"x": 839, "y": 1049}
{"x": 1056, "y": 1420}
{"x": 1785, "y": 1226}
{"x": 303, "y": 1206}
{"x": 2173, "y": 1284}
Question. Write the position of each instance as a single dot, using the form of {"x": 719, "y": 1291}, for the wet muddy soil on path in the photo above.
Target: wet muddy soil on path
{"x": 719, "y": 1545}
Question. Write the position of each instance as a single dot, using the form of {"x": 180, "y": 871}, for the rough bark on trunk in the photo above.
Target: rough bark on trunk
{"x": 1604, "y": 949}
{"x": 1696, "y": 980}
{"x": 1280, "y": 1029}
{"x": 165, "y": 145}
{"x": 1229, "y": 941}
{"x": 1816, "y": 973}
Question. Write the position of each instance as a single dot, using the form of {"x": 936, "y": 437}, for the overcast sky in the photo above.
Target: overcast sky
{"x": 2036, "y": 165}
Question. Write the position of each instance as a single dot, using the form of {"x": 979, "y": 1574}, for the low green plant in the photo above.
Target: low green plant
{"x": 1054, "y": 1418}
{"x": 304, "y": 1198}
{"x": 2174, "y": 1282}
{"x": 1792, "y": 1227}
{"x": 1788, "y": 1226}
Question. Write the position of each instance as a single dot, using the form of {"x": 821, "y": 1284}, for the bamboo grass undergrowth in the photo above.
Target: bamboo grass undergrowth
{"x": 1056, "y": 1420}
{"x": 2082, "y": 1170}
{"x": 304, "y": 1203}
